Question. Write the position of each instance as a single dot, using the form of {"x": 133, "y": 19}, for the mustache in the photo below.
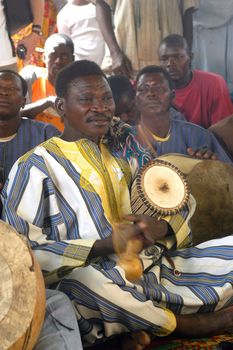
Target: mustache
{"x": 99, "y": 116}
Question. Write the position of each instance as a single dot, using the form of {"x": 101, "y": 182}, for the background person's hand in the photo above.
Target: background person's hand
{"x": 202, "y": 153}
{"x": 30, "y": 43}
{"x": 121, "y": 64}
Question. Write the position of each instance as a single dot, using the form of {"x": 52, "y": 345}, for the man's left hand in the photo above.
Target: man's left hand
{"x": 30, "y": 43}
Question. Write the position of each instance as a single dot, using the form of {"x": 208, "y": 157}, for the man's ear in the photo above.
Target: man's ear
{"x": 23, "y": 102}
{"x": 60, "y": 106}
{"x": 191, "y": 55}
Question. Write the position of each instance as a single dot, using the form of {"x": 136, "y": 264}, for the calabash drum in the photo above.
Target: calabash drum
{"x": 159, "y": 189}
{"x": 211, "y": 184}
{"x": 22, "y": 292}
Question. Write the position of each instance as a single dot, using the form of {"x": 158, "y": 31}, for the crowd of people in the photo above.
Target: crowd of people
{"x": 114, "y": 90}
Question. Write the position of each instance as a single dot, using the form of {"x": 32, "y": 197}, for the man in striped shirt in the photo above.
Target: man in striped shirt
{"x": 81, "y": 188}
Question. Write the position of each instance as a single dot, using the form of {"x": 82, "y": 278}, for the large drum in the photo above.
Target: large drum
{"x": 211, "y": 184}
{"x": 22, "y": 292}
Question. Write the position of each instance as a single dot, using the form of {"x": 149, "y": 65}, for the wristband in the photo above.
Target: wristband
{"x": 37, "y": 26}
{"x": 37, "y": 31}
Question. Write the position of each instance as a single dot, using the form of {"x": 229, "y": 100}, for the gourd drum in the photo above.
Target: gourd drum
{"x": 22, "y": 292}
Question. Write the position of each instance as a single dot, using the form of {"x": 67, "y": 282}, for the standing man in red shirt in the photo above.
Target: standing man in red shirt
{"x": 203, "y": 97}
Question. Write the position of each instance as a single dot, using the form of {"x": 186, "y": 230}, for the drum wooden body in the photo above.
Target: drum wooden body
{"x": 211, "y": 184}
{"x": 22, "y": 292}
{"x": 160, "y": 189}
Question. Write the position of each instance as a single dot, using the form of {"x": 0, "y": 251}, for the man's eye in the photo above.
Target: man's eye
{"x": 85, "y": 99}
{"x": 12, "y": 89}
{"x": 143, "y": 90}
{"x": 107, "y": 98}
{"x": 64, "y": 57}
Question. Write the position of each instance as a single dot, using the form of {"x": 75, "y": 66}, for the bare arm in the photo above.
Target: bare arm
{"x": 101, "y": 247}
{"x": 37, "y": 11}
{"x": 147, "y": 229}
{"x": 120, "y": 63}
{"x": 31, "y": 40}
{"x": 188, "y": 25}
{"x": 32, "y": 109}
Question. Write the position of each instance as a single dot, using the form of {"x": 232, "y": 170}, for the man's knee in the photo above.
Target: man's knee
{"x": 60, "y": 330}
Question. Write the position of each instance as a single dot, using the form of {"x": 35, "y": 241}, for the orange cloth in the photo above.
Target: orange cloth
{"x": 42, "y": 88}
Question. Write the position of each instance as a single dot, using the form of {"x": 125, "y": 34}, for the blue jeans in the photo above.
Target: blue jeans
{"x": 60, "y": 329}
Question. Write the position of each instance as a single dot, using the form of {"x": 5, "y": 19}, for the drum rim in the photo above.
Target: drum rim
{"x": 30, "y": 275}
{"x": 147, "y": 201}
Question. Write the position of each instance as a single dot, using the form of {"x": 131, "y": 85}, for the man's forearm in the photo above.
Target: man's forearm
{"x": 188, "y": 26}
{"x": 32, "y": 109}
{"x": 37, "y": 7}
{"x": 104, "y": 18}
{"x": 101, "y": 247}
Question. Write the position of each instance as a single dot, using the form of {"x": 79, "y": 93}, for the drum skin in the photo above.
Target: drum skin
{"x": 211, "y": 183}
{"x": 160, "y": 189}
{"x": 22, "y": 292}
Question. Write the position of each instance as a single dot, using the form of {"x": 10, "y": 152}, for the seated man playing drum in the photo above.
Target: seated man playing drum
{"x": 81, "y": 189}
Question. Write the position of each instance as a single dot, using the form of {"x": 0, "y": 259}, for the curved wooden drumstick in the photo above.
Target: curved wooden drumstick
{"x": 129, "y": 260}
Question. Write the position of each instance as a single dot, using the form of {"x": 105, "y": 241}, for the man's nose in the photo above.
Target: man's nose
{"x": 170, "y": 61}
{"x": 152, "y": 91}
{"x": 99, "y": 105}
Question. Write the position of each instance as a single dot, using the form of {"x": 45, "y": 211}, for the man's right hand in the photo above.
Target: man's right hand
{"x": 121, "y": 64}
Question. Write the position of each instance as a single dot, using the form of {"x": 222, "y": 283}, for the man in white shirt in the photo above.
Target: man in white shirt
{"x": 78, "y": 20}
{"x": 8, "y": 59}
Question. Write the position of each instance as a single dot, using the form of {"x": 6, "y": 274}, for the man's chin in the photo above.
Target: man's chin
{"x": 175, "y": 76}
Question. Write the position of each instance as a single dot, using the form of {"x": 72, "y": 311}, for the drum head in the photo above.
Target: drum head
{"x": 211, "y": 184}
{"x": 18, "y": 286}
{"x": 163, "y": 187}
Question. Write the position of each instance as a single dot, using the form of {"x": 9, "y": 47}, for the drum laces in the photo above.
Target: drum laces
{"x": 176, "y": 272}
{"x": 164, "y": 252}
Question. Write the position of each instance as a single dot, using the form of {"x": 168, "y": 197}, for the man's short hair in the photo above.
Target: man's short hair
{"x": 176, "y": 40}
{"x": 57, "y": 39}
{"x": 155, "y": 69}
{"x": 121, "y": 86}
{"x": 74, "y": 70}
{"x": 23, "y": 81}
